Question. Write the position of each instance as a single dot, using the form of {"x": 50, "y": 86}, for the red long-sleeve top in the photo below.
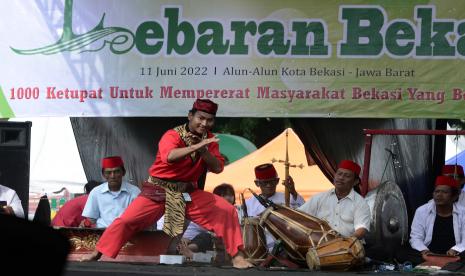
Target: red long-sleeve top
{"x": 184, "y": 170}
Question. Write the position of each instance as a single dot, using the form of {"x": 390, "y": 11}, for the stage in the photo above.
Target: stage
{"x": 135, "y": 269}
{"x": 117, "y": 269}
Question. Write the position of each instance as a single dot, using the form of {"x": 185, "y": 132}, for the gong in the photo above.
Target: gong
{"x": 389, "y": 221}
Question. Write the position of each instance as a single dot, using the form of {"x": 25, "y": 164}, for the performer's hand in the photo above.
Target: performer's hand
{"x": 452, "y": 252}
{"x": 425, "y": 253}
{"x": 87, "y": 223}
{"x": 8, "y": 210}
{"x": 204, "y": 143}
{"x": 184, "y": 241}
{"x": 289, "y": 183}
{"x": 211, "y": 140}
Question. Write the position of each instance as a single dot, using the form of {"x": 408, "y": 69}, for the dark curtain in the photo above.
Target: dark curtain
{"x": 134, "y": 139}
{"x": 410, "y": 161}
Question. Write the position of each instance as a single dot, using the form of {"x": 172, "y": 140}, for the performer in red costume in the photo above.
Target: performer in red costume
{"x": 70, "y": 214}
{"x": 184, "y": 153}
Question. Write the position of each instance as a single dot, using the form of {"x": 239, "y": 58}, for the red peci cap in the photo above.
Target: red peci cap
{"x": 452, "y": 169}
{"x": 205, "y": 105}
{"x": 446, "y": 180}
{"x": 112, "y": 162}
{"x": 350, "y": 165}
{"x": 265, "y": 172}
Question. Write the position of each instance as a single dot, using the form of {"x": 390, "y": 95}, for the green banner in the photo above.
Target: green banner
{"x": 5, "y": 110}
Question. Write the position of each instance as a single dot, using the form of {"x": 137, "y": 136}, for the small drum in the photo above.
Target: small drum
{"x": 253, "y": 235}
{"x": 439, "y": 260}
{"x": 342, "y": 253}
{"x": 298, "y": 231}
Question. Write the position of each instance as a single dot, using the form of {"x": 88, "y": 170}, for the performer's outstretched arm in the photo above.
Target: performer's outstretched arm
{"x": 214, "y": 165}
{"x": 177, "y": 154}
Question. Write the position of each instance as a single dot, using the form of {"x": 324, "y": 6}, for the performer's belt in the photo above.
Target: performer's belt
{"x": 175, "y": 206}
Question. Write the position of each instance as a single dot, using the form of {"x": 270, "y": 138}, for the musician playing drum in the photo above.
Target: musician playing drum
{"x": 344, "y": 209}
{"x": 267, "y": 179}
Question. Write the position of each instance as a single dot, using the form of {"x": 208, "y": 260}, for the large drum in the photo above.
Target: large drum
{"x": 298, "y": 231}
{"x": 253, "y": 235}
{"x": 342, "y": 253}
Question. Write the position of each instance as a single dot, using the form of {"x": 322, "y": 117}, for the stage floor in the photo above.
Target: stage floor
{"x": 133, "y": 269}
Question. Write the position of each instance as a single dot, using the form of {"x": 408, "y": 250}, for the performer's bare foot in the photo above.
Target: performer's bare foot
{"x": 184, "y": 249}
{"x": 94, "y": 256}
{"x": 240, "y": 262}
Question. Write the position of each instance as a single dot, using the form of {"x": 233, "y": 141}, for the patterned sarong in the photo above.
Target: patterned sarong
{"x": 175, "y": 206}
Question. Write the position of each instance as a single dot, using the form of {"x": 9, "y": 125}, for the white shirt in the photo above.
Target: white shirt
{"x": 12, "y": 199}
{"x": 461, "y": 200}
{"x": 423, "y": 224}
{"x": 191, "y": 232}
{"x": 105, "y": 205}
{"x": 345, "y": 215}
{"x": 254, "y": 209}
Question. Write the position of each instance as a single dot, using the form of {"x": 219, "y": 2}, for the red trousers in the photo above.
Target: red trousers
{"x": 208, "y": 210}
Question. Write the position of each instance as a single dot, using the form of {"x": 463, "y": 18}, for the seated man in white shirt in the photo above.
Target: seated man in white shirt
{"x": 438, "y": 226}
{"x": 10, "y": 202}
{"x": 344, "y": 209}
{"x": 267, "y": 179}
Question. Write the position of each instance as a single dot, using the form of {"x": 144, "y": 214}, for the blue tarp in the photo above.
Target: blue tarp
{"x": 458, "y": 159}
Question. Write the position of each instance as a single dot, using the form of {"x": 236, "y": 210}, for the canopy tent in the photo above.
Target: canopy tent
{"x": 455, "y": 148}
{"x": 234, "y": 147}
{"x": 308, "y": 179}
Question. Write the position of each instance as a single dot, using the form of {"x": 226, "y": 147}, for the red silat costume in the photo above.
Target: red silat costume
{"x": 206, "y": 209}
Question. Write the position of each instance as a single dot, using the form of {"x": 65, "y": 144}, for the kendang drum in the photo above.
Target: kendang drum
{"x": 342, "y": 253}
{"x": 254, "y": 238}
{"x": 298, "y": 231}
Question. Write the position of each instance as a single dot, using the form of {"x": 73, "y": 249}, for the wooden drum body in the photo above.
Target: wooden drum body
{"x": 298, "y": 231}
{"x": 342, "y": 253}
{"x": 254, "y": 238}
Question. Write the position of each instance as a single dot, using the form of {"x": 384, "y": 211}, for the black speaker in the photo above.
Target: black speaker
{"x": 15, "y": 145}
